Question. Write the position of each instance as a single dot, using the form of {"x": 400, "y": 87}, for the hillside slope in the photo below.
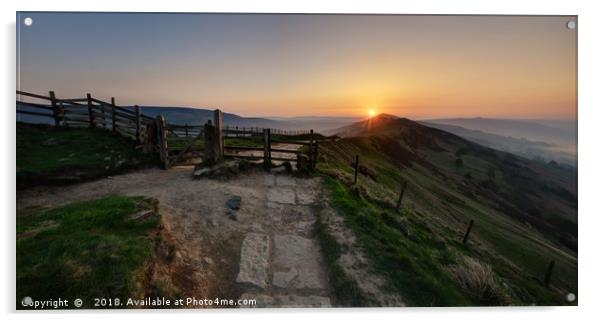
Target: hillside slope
{"x": 525, "y": 213}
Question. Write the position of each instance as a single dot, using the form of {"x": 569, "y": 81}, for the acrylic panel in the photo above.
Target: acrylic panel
{"x": 184, "y": 160}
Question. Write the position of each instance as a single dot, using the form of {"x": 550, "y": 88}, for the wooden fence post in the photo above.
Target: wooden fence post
{"x": 211, "y": 144}
{"x": 55, "y": 112}
{"x": 113, "y": 121}
{"x": 90, "y": 113}
{"x": 356, "y": 166}
{"x": 162, "y": 141}
{"x": 401, "y": 193}
{"x": 217, "y": 120}
{"x": 465, "y": 239}
{"x": 549, "y": 271}
{"x": 137, "y": 110}
{"x": 311, "y": 149}
{"x": 267, "y": 158}
{"x": 270, "y": 147}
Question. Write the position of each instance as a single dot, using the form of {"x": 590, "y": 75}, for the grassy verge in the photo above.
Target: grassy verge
{"x": 400, "y": 249}
{"x": 345, "y": 288}
{"x": 85, "y": 250}
{"x": 49, "y": 155}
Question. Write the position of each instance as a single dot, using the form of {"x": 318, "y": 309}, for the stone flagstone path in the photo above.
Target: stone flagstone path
{"x": 284, "y": 267}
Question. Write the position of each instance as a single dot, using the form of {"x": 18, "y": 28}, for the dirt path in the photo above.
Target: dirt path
{"x": 264, "y": 250}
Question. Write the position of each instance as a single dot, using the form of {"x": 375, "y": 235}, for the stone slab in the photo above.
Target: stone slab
{"x": 281, "y": 195}
{"x": 285, "y": 181}
{"x": 254, "y": 260}
{"x": 296, "y": 263}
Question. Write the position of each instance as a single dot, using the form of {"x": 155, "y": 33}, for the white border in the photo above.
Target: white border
{"x": 590, "y": 161}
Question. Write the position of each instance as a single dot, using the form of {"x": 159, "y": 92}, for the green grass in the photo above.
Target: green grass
{"x": 345, "y": 288}
{"x": 418, "y": 248}
{"x": 413, "y": 264}
{"x": 251, "y": 142}
{"x": 49, "y": 155}
{"x": 182, "y": 142}
{"x": 174, "y": 142}
{"x": 84, "y": 250}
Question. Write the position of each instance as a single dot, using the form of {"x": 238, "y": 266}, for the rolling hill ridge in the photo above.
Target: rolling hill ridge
{"x": 525, "y": 212}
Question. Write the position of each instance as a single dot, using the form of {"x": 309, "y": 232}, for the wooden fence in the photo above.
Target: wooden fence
{"x": 287, "y": 147}
{"x": 174, "y": 142}
{"x": 251, "y": 143}
{"x": 89, "y": 112}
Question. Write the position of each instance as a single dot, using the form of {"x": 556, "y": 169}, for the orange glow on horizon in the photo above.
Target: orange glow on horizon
{"x": 420, "y": 67}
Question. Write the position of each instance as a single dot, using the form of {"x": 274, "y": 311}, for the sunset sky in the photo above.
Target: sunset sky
{"x": 299, "y": 65}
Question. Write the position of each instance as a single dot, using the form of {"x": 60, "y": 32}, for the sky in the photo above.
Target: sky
{"x": 301, "y": 65}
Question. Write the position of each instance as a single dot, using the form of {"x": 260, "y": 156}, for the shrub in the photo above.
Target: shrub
{"x": 479, "y": 281}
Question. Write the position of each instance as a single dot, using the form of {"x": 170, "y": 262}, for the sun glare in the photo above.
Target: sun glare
{"x": 371, "y": 112}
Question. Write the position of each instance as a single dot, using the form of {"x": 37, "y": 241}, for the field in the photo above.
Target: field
{"x": 48, "y": 156}
{"x": 87, "y": 250}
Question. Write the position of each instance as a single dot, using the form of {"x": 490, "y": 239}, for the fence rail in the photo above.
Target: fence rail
{"x": 173, "y": 141}
{"x": 293, "y": 150}
{"x": 88, "y": 112}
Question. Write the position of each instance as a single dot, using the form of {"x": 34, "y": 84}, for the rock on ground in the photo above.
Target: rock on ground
{"x": 234, "y": 202}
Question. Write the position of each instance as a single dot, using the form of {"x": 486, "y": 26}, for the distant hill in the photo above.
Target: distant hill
{"x": 183, "y": 115}
{"x": 374, "y": 125}
{"x": 515, "y": 184}
{"x": 531, "y": 149}
{"x": 525, "y": 211}
{"x": 545, "y": 140}
{"x": 551, "y": 131}
{"x": 178, "y": 115}
{"x": 319, "y": 123}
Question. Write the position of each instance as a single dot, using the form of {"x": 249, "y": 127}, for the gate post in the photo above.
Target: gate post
{"x": 217, "y": 120}
{"x": 267, "y": 155}
{"x": 55, "y": 108}
{"x": 162, "y": 141}
{"x": 212, "y": 153}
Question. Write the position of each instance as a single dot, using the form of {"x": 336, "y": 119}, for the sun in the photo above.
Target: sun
{"x": 371, "y": 112}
